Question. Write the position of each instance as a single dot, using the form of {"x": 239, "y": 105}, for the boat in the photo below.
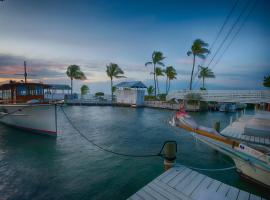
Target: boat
{"x": 22, "y": 106}
{"x": 251, "y": 161}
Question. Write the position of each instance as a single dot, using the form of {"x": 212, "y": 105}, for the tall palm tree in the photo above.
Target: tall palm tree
{"x": 84, "y": 90}
{"x": 266, "y": 81}
{"x": 150, "y": 90}
{"x": 74, "y": 72}
{"x": 171, "y": 74}
{"x": 114, "y": 71}
{"x": 205, "y": 72}
{"x": 158, "y": 72}
{"x": 199, "y": 49}
{"x": 157, "y": 57}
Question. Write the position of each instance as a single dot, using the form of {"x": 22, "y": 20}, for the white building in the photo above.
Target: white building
{"x": 130, "y": 93}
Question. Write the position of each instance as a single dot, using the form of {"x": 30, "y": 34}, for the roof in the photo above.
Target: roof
{"x": 59, "y": 86}
{"x": 131, "y": 84}
{"x": 12, "y": 84}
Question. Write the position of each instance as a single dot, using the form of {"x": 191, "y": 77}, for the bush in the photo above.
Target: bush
{"x": 98, "y": 94}
{"x": 150, "y": 98}
{"x": 162, "y": 97}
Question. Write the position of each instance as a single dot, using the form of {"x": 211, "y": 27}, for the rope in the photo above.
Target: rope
{"x": 108, "y": 150}
{"x": 13, "y": 112}
{"x": 210, "y": 169}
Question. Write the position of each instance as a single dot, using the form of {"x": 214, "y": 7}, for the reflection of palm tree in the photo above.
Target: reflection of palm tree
{"x": 150, "y": 90}
{"x": 157, "y": 57}
{"x": 114, "y": 71}
{"x": 84, "y": 90}
{"x": 171, "y": 74}
{"x": 74, "y": 72}
{"x": 199, "y": 49}
{"x": 205, "y": 72}
{"x": 158, "y": 72}
{"x": 266, "y": 81}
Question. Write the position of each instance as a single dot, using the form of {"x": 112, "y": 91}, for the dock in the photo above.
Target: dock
{"x": 183, "y": 183}
{"x": 236, "y": 131}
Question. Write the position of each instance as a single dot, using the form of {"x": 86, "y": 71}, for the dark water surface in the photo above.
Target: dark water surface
{"x": 38, "y": 167}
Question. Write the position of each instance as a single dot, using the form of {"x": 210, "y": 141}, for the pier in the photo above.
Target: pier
{"x": 183, "y": 183}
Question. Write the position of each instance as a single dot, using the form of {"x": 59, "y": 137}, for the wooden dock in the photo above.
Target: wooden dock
{"x": 183, "y": 183}
{"x": 236, "y": 131}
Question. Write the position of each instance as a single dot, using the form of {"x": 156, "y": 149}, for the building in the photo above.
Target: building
{"x": 57, "y": 92}
{"x": 130, "y": 93}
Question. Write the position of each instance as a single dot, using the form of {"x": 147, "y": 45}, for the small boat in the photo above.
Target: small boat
{"x": 23, "y": 106}
{"x": 251, "y": 161}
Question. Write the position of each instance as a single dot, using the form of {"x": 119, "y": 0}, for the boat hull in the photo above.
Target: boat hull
{"x": 37, "y": 118}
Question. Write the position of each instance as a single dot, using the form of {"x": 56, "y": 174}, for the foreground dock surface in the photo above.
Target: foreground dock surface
{"x": 183, "y": 183}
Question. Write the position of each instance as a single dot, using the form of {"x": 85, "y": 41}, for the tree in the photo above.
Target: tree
{"x": 158, "y": 72}
{"x": 205, "y": 72}
{"x": 199, "y": 49}
{"x": 266, "y": 81}
{"x": 84, "y": 90}
{"x": 157, "y": 57}
{"x": 150, "y": 90}
{"x": 114, "y": 71}
{"x": 171, "y": 74}
{"x": 74, "y": 72}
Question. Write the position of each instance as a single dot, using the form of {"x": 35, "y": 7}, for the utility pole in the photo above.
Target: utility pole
{"x": 25, "y": 73}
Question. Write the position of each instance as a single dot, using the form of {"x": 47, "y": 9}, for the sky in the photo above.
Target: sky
{"x": 53, "y": 34}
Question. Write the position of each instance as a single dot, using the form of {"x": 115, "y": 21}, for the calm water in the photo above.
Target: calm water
{"x": 38, "y": 167}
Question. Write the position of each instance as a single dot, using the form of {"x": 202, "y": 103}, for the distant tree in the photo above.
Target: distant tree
{"x": 170, "y": 74}
{"x": 114, "y": 71}
{"x": 74, "y": 72}
{"x": 150, "y": 90}
{"x": 266, "y": 81}
{"x": 84, "y": 90}
{"x": 99, "y": 94}
{"x": 158, "y": 72}
{"x": 205, "y": 72}
{"x": 199, "y": 49}
{"x": 157, "y": 58}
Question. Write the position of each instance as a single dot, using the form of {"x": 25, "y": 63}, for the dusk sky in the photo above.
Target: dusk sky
{"x": 52, "y": 34}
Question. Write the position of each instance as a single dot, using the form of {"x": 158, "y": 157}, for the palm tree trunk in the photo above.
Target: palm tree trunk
{"x": 157, "y": 84}
{"x": 203, "y": 82}
{"x": 155, "y": 80}
{"x": 71, "y": 84}
{"x": 112, "y": 88}
{"x": 191, "y": 77}
{"x": 167, "y": 85}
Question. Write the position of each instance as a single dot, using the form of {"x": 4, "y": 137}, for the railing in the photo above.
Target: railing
{"x": 243, "y": 96}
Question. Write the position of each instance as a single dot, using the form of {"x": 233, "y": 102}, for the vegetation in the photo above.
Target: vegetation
{"x": 84, "y": 90}
{"x": 74, "y": 72}
{"x": 150, "y": 90}
{"x": 114, "y": 71}
{"x": 98, "y": 94}
{"x": 266, "y": 81}
{"x": 198, "y": 49}
{"x": 205, "y": 72}
{"x": 193, "y": 98}
{"x": 157, "y": 58}
{"x": 158, "y": 72}
{"x": 170, "y": 75}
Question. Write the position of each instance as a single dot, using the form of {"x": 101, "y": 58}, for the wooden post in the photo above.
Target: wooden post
{"x": 217, "y": 126}
{"x": 169, "y": 152}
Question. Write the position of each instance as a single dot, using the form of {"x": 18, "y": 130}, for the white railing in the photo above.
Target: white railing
{"x": 242, "y": 96}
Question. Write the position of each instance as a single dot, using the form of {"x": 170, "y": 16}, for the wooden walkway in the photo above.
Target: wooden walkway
{"x": 236, "y": 131}
{"x": 183, "y": 183}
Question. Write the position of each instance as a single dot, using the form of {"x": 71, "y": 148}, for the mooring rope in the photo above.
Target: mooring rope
{"x": 108, "y": 150}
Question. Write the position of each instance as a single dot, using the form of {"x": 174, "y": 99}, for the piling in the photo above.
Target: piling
{"x": 230, "y": 120}
{"x": 217, "y": 126}
{"x": 169, "y": 154}
{"x": 236, "y": 116}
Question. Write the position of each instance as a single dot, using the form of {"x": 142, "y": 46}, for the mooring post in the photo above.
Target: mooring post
{"x": 230, "y": 120}
{"x": 217, "y": 126}
{"x": 169, "y": 154}
{"x": 236, "y": 116}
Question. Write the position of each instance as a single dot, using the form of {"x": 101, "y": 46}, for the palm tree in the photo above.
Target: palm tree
{"x": 150, "y": 90}
{"x": 205, "y": 72}
{"x": 114, "y": 71}
{"x": 158, "y": 72}
{"x": 171, "y": 74}
{"x": 84, "y": 90}
{"x": 266, "y": 81}
{"x": 199, "y": 49}
{"x": 157, "y": 57}
{"x": 74, "y": 72}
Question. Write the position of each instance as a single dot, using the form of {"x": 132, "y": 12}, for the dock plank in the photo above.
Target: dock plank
{"x": 223, "y": 189}
{"x": 177, "y": 179}
{"x": 203, "y": 185}
{"x": 233, "y": 193}
{"x": 243, "y": 195}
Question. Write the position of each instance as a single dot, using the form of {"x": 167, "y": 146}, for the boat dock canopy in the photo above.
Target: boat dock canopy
{"x": 131, "y": 84}
{"x": 183, "y": 183}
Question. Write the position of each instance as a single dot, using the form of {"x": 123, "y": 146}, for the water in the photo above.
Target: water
{"x": 38, "y": 167}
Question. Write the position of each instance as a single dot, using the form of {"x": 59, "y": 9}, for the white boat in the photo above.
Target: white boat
{"x": 252, "y": 162}
{"x": 23, "y": 107}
